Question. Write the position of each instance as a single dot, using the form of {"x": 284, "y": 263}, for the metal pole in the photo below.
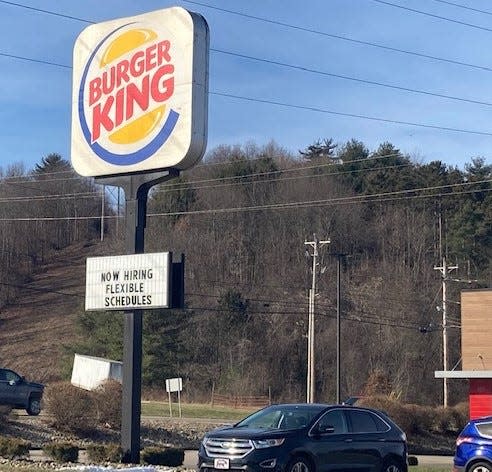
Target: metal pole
{"x": 135, "y": 213}
{"x": 136, "y": 189}
{"x": 339, "y": 256}
{"x": 102, "y": 211}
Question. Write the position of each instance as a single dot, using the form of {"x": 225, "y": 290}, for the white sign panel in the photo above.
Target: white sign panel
{"x": 174, "y": 385}
{"x": 140, "y": 93}
{"x": 128, "y": 282}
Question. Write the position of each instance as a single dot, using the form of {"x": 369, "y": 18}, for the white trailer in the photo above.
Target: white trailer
{"x": 90, "y": 372}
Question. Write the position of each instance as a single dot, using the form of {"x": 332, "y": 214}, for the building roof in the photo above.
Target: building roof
{"x": 463, "y": 374}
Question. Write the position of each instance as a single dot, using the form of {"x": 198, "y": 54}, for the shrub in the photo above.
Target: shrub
{"x": 387, "y": 405}
{"x": 13, "y": 447}
{"x": 450, "y": 420}
{"x": 170, "y": 456}
{"x": 4, "y": 414}
{"x": 62, "y": 452}
{"x": 108, "y": 404}
{"x": 104, "y": 453}
{"x": 412, "y": 419}
{"x": 462, "y": 412}
{"x": 73, "y": 409}
{"x": 377, "y": 384}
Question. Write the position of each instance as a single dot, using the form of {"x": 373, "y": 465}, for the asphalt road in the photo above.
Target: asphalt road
{"x": 191, "y": 459}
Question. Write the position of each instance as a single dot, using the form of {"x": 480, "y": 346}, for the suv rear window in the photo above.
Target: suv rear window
{"x": 366, "y": 422}
{"x": 485, "y": 429}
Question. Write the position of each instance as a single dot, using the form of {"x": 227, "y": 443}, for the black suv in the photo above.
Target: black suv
{"x": 17, "y": 392}
{"x": 307, "y": 438}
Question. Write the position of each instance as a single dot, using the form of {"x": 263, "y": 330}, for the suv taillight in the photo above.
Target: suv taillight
{"x": 463, "y": 439}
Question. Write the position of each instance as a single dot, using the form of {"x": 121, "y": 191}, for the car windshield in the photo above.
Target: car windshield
{"x": 281, "y": 417}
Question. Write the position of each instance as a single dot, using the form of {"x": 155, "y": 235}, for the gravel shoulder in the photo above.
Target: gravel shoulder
{"x": 183, "y": 433}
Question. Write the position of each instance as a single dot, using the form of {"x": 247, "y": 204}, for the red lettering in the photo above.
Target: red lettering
{"x": 115, "y": 99}
{"x": 162, "y": 89}
{"x": 150, "y": 57}
{"x": 137, "y": 64}
{"x": 133, "y": 94}
{"x": 108, "y": 81}
{"x": 94, "y": 90}
{"x": 119, "y": 106}
{"x": 122, "y": 72}
{"x": 163, "y": 52}
{"x": 101, "y": 117}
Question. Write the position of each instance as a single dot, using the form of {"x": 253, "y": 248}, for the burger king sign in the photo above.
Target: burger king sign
{"x": 140, "y": 88}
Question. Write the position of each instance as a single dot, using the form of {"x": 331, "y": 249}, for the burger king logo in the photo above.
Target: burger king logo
{"x": 126, "y": 94}
{"x": 140, "y": 94}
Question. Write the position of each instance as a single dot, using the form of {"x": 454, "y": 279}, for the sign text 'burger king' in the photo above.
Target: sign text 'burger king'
{"x": 140, "y": 94}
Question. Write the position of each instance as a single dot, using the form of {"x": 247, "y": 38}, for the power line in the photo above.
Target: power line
{"x": 29, "y": 59}
{"x": 464, "y": 7}
{"x": 350, "y": 115}
{"x": 48, "y": 12}
{"x": 285, "y": 25}
{"x": 325, "y": 315}
{"x": 281, "y": 179}
{"x": 357, "y": 199}
{"x": 353, "y": 79}
{"x": 192, "y": 183}
{"x": 28, "y": 199}
{"x": 420, "y": 12}
{"x": 369, "y": 198}
{"x": 189, "y": 184}
{"x": 271, "y": 102}
{"x": 336, "y": 113}
{"x": 286, "y": 171}
{"x": 342, "y": 38}
{"x": 43, "y": 290}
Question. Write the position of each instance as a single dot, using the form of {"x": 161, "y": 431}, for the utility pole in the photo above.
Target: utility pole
{"x": 103, "y": 194}
{"x": 339, "y": 301}
{"x": 445, "y": 270}
{"x": 315, "y": 244}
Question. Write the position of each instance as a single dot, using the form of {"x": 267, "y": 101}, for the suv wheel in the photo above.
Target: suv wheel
{"x": 480, "y": 467}
{"x": 300, "y": 464}
{"x": 34, "y": 406}
{"x": 393, "y": 465}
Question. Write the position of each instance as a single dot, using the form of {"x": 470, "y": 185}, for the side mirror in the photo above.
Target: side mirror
{"x": 321, "y": 430}
{"x": 326, "y": 429}
{"x": 12, "y": 382}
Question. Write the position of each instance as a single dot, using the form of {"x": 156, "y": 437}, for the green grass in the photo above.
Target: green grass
{"x": 192, "y": 410}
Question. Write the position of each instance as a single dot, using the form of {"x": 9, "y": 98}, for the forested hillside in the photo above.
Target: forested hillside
{"x": 242, "y": 218}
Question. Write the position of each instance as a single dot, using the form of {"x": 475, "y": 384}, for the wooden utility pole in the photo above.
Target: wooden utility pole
{"x": 445, "y": 270}
{"x": 315, "y": 244}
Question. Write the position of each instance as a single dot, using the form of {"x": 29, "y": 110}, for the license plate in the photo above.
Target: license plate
{"x": 221, "y": 463}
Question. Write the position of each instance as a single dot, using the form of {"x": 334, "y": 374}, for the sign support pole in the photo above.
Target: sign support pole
{"x": 136, "y": 189}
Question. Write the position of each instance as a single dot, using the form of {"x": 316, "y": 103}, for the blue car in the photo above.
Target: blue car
{"x": 474, "y": 447}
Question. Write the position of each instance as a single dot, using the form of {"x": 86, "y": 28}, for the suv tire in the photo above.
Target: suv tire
{"x": 299, "y": 464}
{"x": 393, "y": 465}
{"x": 481, "y": 466}
{"x": 34, "y": 406}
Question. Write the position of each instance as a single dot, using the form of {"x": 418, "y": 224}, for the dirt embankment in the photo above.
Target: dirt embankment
{"x": 34, "y": 328}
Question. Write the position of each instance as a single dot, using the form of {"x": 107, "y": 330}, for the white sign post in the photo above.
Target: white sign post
{"x": 174, "y": 385}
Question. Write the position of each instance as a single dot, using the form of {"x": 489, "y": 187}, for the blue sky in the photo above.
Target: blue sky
{"x": 35, "y": 108}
